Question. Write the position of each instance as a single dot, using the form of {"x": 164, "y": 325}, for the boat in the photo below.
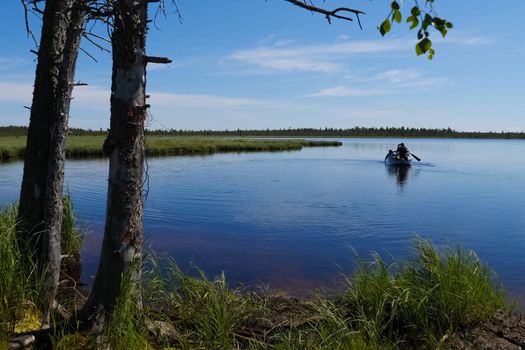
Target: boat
{"x": 392, "y": 158}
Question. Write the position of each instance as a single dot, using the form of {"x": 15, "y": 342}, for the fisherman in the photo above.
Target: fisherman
{"x": 390, "y": 153}
{"x": 402, "y": 151}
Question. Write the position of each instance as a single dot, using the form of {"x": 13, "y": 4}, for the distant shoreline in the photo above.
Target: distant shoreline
{"x": 13, "y": 147}
{"x": 356, "y": 132}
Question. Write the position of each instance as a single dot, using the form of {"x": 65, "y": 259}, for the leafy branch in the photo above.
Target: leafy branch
{"x": 423, "y": 18}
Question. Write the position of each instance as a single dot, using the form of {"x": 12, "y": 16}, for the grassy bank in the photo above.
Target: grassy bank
{"x": 417, "y": 303}
{"x": 12, "y": 147}
{"x": 19, "y": 284}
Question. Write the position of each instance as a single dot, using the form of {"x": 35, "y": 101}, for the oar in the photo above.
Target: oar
{"x": 416, "y": 157}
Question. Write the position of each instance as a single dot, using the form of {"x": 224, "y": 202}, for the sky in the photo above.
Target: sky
{"x": 257, "y": 64}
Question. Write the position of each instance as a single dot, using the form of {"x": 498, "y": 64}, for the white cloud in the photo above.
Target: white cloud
{"x": 404, "y": 78}
{"x": 98, "y": 98}
{"x": 200, "y": 101}
{"x": 313, "y": 58}
{"x": 284, "y": 42}
{"x": 396, "y": 76}
{"x": 344, "y": 91}
{"x": 15, "y": 92}
{"x": 463, "y": 38}
{"x": 389, "y": 82}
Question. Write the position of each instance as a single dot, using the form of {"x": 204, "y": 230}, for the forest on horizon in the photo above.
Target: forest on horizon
{"x": 301, "y": 132}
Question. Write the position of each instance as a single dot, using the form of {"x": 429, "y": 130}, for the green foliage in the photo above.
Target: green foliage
{"x": 125, "y": 328}
{"x": 18, "y": 284}
{"x": 421, "y": 302}
{"x": 424, "y": 18}
{"x": 417, "y": 303}
{"x": 385, "y": 27}
{"x": 91, "y": 146}
{"x": 71, "y": 237}
{"x": 211, "y": 315}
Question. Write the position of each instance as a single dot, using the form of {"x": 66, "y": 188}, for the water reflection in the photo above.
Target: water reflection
{"x": 399, "y": 172}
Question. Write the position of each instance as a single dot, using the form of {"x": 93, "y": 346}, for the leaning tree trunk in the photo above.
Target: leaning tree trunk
{"x": 40, "y": 208}
{"x": 121, "y": 247}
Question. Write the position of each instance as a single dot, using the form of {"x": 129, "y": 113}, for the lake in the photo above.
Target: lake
{"x": 294, "y": 220}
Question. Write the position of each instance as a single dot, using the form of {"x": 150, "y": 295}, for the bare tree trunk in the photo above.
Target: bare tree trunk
{"x": 40, "y": 208}
{"x": 121, "y": 247}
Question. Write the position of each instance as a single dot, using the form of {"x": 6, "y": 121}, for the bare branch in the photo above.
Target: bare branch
{"x": 102, "y": 48}
{"x": 89, "y": 55}
{"x": 28, "y": 29}
{"x": 155, "y": 59}
{"x": 329, "y": 14}
{"x": 97, "y": 36}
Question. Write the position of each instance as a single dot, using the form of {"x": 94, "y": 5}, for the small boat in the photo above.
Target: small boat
{"x": 392, "y": 158}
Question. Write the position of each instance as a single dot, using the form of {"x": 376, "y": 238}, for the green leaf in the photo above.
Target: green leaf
{"x": 414, "y": 21}
{"x": 415, "y": 11}
{"x": 385, "y": 27}
{"x": 427, "y": 21}
{"x": 395, "y": 6}
{"x": 397, "y": 16}
{"x": 423, "y": 46}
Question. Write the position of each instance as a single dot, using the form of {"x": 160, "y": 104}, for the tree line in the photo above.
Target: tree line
{"x": 301, "y": 132}
{"x": 349, "y": 132}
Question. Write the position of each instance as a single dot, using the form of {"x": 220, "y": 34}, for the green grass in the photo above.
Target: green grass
{"x": 417, "y": 303}
{"x": 17, "y": 291}
{"x": 20, "y": 284}
{"x": 71, "y": 236}
{"x": 12, "y": 147}
{"x": 421, "y": 302}
{"x": 414, "y": 303}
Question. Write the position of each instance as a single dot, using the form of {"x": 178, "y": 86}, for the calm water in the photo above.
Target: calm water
{"x": 292, "y": 219}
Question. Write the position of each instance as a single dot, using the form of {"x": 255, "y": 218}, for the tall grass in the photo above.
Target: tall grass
{"x": 91, "y": 146}
{"x": 18, "y": 287}
{"x": 421, "y": 302}
{"x": 125, "y": 328}
{"x": 71, "y": 236}
{"x": 409, "y": 304}
{"x": 20, "y": 284}
{"x": 207, "y": 314}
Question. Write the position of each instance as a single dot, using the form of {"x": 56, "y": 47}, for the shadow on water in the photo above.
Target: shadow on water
{"x": 399, "y": 172}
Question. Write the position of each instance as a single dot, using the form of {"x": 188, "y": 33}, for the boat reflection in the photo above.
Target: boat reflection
{"x": 400, "y": 172}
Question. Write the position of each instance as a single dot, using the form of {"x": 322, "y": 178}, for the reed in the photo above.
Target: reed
{"x": 20, "y": 285}
{"x": 12, "y": 147}
{"x": 71, "y": 236}
{"x": 18, "y": 291}
{"x": 421, "y": 302}
{"x": 416, "y": 303}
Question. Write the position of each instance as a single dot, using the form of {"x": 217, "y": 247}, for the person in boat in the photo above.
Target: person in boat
{"x": 390, "y": 154}
{"x": 402, "y": 151}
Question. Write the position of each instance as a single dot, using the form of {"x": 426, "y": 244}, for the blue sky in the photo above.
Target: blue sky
{"x": 267, "y": 64}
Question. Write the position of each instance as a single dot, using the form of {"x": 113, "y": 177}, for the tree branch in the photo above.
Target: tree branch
{"x": 328, "y": 14}
{"x": 155, "y": 59}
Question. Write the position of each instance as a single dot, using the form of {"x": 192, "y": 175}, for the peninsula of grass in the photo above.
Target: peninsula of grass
{"x": 421, "y": 302}
{"x": 13, "y": 147}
